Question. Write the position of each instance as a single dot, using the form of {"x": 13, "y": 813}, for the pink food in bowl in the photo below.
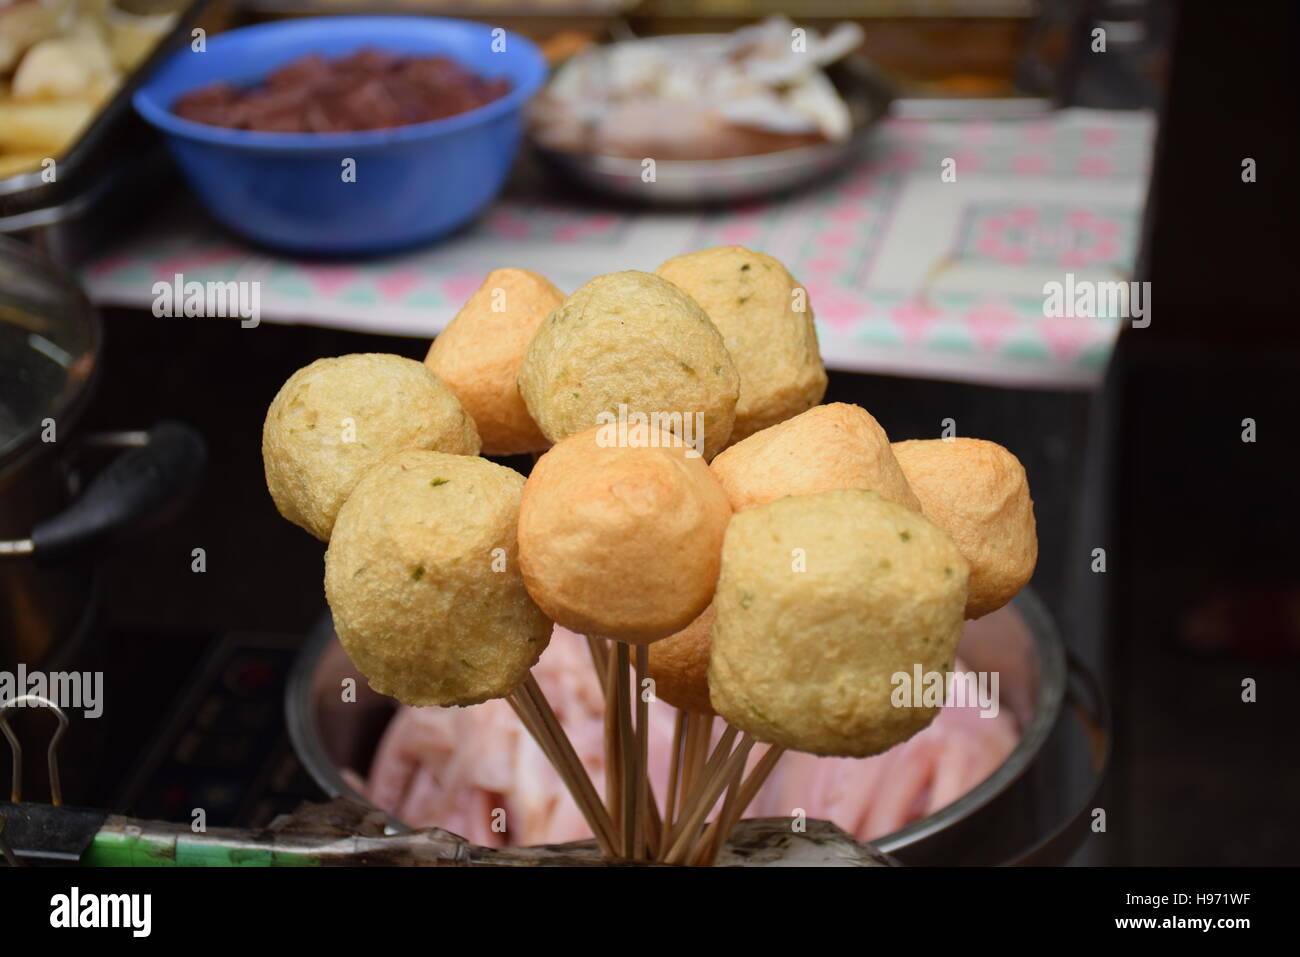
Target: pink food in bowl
{"x": 453, "y": 767}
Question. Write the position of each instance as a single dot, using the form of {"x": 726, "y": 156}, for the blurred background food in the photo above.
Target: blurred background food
{"x": 345, "y": 135}
{"x": 60, "y": 62}
{"x": 742, "y": 93}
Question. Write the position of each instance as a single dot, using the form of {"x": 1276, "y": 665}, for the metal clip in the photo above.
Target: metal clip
{"x": 16, "y": 791}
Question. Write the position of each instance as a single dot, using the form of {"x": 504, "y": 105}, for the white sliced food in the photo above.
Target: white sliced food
{"x": 68, "y": 67}
{"x": 817, "y": 98}
{"x": 768, "y": 112}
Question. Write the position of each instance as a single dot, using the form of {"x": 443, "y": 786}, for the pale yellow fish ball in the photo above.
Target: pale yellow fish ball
{"x": 336, "y": 418}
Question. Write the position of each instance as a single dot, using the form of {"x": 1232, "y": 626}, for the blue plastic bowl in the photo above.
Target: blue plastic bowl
{"x": 287, "y": 190}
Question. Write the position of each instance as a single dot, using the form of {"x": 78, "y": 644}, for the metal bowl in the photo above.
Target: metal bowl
{"x": 1030, "y": 810}
{"x": 734, "y": 179}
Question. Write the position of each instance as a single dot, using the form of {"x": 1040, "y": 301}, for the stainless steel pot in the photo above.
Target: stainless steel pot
{"x": 1032, "y": 809}
{"x": 49, "y": 526}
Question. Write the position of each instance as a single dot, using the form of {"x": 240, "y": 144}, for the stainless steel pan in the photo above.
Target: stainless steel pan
{"x": 50, "y": 527}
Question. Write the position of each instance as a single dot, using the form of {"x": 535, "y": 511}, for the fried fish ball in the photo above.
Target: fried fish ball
{"x": 479, "y": 354}
{"x": 422, "y": 577}
{"x": 822, "y": 599}
{"x": 977, "y": 492}
{"x": 833, "y": 446}
{"x": 629, "y": 339}
{"x": 335, "y": 418}
{"x": 679, "y": 666}
{"x": 767, "y": 324}
{"x": 619, "y": 541}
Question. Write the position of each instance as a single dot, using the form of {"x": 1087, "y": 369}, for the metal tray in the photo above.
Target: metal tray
{"x": 682, "y": 182}
{"x": 115, "y": 161}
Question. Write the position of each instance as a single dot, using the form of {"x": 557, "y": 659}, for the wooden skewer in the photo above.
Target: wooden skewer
{"x": 683, "y": 786}
{"x": 570, "y": 765}
{"x": 559, "y": 751}
{"x": 654, "y": 825}
{"x": 641, "y": 778}
{"x": 700, "y": 852}
{"x": 716, "y": 779}
{"x": 626, "y": 746}
{"x": 717, "y": 759}
{"x": 680, "y": 724}
{"x": 757, "y": 778}
{"x": 700, "y": 786}
{"x": 581, "y": 780}
{"x": 706, "y": 780}
{"x": 695, "y": 754}
{"x": 526, "y": 717}
{"x": 599, "y": 658}
{"x": 700, "y": 756}
{"x": 613, "y": 755}
{"x": 697, "y": 727}
{"x": 735, "y": 805}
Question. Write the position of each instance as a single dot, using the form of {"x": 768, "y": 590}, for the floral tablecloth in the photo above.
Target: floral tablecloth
{"x": 907, "y": 273}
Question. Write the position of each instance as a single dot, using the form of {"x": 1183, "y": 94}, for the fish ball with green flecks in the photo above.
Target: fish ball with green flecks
{"x": 337, "y": 417}
{"x": 422, "y": 577}
{"x": 822, "y": 599}
{"x": 631, "y": 344}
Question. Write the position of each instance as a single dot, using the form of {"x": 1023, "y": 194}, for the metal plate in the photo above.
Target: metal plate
{"x": 115, "y": 139}
{"x": 678, "y": 182}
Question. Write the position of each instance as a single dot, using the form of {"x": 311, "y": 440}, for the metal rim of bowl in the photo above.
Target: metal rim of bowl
{"x": 690, "y": 182}
{"x": 71, "y": 403}
{"x": 1050, "y": 649}
{"x": 1051, "y": 674}
{"x": 621, "y": 167}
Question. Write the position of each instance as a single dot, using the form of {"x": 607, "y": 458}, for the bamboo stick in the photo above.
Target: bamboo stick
{"x": 700, "y": 756}
{"x": 613, "y": 755}
{"x": 626, "y": 746}
{"x": 641, "y": 778}
{"x": 699, "y": 853}
{"x": 680, "y": 724}
{"x": 526, "y": 707}
{"x": 599, "y": 658}
{"x": 716, "y": 780}
{"x": 726, "y": 822}
{"x": 578, "y": 772}
{"x": 695, "y": 753}
{"x": 700, "y": 787}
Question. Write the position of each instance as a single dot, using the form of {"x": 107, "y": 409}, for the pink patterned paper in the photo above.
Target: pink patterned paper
{"x": 976, "y": 313}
